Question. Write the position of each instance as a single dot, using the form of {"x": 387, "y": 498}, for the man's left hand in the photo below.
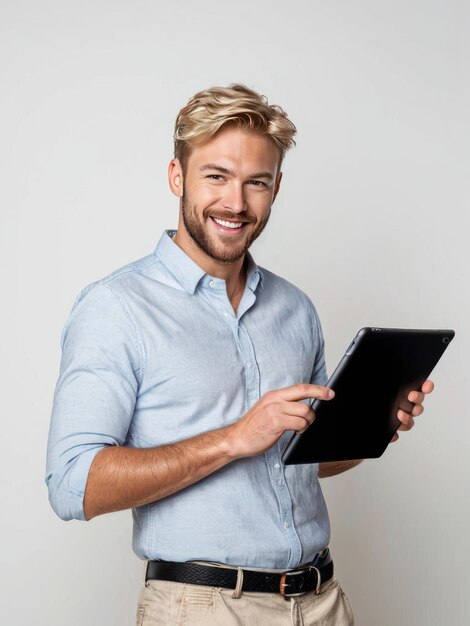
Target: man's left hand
{"x": 416, "y": 398}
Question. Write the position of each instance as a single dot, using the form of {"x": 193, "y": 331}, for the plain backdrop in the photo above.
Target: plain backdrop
{"x": 372, "y": 221}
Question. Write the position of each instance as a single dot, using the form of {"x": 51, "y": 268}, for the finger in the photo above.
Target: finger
{"x": 427, "y": 386}
{"x": 417, "y": 410}
{"x": 394, "y": 438}
{"x": 303, "y": 429}
{"x": 416, "y": 397}
{"x": 407, "y": 421}
{"x": 304, "y": 391}
{"x": 299, "y": 409}
{"x": 292, "y": 422}
{"x": 405, "y": 405}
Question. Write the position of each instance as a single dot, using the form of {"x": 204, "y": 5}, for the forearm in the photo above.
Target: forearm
{"x": 336, "y": 467}
{"x": 122, "y": 478}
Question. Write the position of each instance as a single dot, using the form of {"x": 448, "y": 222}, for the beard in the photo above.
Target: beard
{"x": 224, "y": 249}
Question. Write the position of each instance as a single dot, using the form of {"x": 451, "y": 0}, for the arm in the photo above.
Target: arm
{"x": 336, "y": 467}
{"x": 122, "y": 478}
{"x": 90, "y": 469}
{"x": 95, "y": 395}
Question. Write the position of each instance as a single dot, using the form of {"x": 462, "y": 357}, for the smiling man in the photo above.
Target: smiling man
{"x": 182, "y": 376}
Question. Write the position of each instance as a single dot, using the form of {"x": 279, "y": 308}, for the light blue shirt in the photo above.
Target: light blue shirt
{"x": 154, "y": 354}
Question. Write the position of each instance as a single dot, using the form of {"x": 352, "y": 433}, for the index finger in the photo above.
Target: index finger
{"x": 304, "y": 391}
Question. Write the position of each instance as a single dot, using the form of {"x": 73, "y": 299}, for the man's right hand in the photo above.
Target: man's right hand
{"x": 270, "y": 417}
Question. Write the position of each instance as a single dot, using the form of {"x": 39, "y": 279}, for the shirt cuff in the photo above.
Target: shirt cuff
{"x": 67, "y": 485}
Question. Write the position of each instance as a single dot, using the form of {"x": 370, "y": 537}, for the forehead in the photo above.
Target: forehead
{"x": 235, "y": 148}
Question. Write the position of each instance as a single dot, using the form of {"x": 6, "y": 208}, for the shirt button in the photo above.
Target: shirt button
{"x": 212, "y": 283}
{"x": 276, "y": 466}
{"x": 286, "y": 525}
{"x": 226, "y": 314}
{"x": 248, "y": 364}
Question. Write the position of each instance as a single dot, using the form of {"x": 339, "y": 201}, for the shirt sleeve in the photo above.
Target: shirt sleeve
{"x": 95, "y": 394}
{"x": 319, "y": 374}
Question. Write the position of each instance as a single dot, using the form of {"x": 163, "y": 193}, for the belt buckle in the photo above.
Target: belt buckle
{"x": 283, "y": 583}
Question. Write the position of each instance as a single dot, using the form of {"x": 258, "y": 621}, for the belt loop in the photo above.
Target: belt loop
{"x": 296, "y": 613}
{"x": 238, "y": 589}
{"x": 318, "y": 579}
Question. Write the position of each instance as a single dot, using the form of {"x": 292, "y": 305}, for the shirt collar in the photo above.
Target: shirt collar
{"x": 253, "y": 275}
{"x": 186, "y": 271}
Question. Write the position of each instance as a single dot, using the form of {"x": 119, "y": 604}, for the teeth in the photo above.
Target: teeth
{"x": 228, "y": 224}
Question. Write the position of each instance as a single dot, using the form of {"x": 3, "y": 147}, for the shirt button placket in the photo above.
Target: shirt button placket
{"x": 249, "y": 361}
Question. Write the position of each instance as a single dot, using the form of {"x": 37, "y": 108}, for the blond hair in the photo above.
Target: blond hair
{"x": 210, "y": 110}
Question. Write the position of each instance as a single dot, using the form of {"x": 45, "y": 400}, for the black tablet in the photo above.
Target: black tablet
{"x": 371, "y": 383}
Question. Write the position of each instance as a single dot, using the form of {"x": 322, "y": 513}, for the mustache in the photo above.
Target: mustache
{"x": 228, "y": 215}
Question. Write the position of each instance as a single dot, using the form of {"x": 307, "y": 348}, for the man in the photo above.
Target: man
{"x": 182, "y": 374}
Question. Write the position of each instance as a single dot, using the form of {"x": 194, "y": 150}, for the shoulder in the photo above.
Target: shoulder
{"x": 279, "y": 287}
{"x": 131, "y": 273}
{"x": 101, "y": 318}
{"x": 277, "y": 290}
{"x": 104, "y": 303}
{"x": 114, "y": 285}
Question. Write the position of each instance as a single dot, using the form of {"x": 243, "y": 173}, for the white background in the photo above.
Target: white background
{"x": 372, "y": 222}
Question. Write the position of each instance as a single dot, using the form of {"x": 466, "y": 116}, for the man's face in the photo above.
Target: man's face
{"x": 229, "y": 187}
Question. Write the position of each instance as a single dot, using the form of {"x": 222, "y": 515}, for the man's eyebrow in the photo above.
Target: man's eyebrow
{"x": 267, "y": 175}
{"x": 217, "y": 168}
{"x": 224, "y": 170}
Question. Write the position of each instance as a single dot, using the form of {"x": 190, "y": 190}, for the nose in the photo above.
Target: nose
{"x": 234, "y": 198}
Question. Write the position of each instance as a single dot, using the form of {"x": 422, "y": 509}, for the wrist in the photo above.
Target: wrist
{"x": 229, "y": 443}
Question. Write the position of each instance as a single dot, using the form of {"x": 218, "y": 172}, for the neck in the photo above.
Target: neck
{"x": 236, "y": 287}
{"x": 234, "y": 274}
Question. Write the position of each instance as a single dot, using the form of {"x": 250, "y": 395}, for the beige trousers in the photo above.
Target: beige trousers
{"x": 164, "y": 603}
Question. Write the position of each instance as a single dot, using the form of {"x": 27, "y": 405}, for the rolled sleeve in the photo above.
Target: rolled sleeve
{"x": 95, "y": 394}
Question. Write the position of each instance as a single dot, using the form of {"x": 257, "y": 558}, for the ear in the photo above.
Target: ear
{"x": 277, "y": 185}
{"x": 175, "y": 177}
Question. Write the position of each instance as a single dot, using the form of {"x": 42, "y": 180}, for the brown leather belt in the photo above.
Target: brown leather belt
{"x": 291, "y": 583}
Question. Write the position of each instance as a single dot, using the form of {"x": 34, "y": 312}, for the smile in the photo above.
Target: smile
{"x": 231, "y": 225}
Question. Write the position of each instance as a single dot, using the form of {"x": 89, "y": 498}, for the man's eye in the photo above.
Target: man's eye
{"x": 257, "y": 183}
{"x": 215, "y": 177}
